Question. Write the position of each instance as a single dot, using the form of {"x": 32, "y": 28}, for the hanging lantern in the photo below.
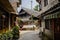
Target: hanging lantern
{"x": 3, "y": 16}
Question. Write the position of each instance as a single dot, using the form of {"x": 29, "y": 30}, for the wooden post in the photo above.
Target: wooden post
{"x": 9, "y": 21}
{"x": 3, "y": 22}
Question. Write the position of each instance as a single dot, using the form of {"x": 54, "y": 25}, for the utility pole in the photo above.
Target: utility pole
{"x": 31, "y": 4}
{"x": 31, "y": 12}
{"x": 31, "y": 9}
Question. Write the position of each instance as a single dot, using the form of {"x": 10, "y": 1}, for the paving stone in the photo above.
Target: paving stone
{"x": 32, "y": 35}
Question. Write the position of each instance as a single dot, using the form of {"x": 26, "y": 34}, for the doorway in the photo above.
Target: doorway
{"x": 57, "y": 29}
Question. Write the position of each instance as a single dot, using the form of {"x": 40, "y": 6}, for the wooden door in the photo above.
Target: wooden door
{"x": 57, "y": 29}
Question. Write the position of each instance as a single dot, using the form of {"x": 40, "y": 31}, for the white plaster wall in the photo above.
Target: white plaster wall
{"x": 51, "y": 3}
{"x": 43, "y": 25}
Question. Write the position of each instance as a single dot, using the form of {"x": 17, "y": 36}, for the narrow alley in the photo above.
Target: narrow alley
{"x": 29, "y": 19}
{"x": 29, "y": 35}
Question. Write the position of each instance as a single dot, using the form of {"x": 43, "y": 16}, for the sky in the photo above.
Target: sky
{"x": 27, "y": 4}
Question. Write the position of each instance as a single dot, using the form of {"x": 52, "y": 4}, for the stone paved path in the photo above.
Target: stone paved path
{"x": 30, "y": 35}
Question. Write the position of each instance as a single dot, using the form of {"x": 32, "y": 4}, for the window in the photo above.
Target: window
{"x": 47, "y": 24}
{"x": 59, "y": 0}
{"x": 6, "y": 22}
{"x": 57, "y": 25}
{"x": 40, "y": 6}
{"x": 45, "y": 2}
{"x": 1, "y": 22}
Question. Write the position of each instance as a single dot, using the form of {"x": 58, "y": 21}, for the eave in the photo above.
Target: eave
{"x": 5, "y": 4}
{"x": 38, "y": 0}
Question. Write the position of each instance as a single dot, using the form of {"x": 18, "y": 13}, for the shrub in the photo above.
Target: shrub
{"x": 4, "y": 36}
{"x": 0, "y": 37}
{"x": 15, "y": 32}
{"x": 9, "y": 35}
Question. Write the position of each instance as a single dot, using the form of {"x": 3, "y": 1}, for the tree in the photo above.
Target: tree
{"x": 31, "y": 18}
{"x": 36, "y": 8}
